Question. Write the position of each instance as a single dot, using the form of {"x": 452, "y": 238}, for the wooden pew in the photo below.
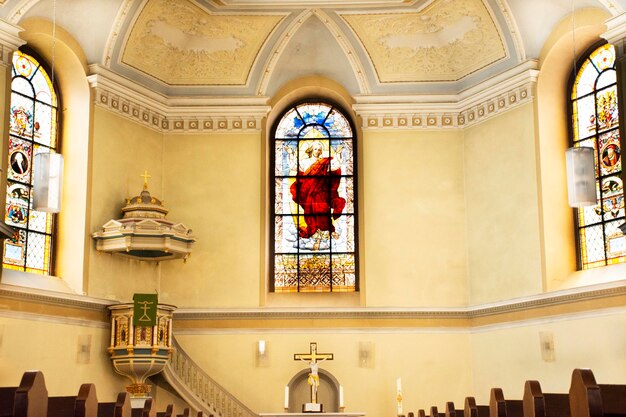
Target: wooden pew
{"x": 31, "y": 397}
{"x": 451, "y": 411}
{"x": 499, "y": 407}
{"x": 85, "y": 404}
{"x": 169, "y": 410}
{"x": 120, "y": 408}
{"x": 538, "y": 404}
{"x": 7, "y": 398}
{"x": 473, "y": 410}
{"x": 145, "y": 411}
{"x": 588, "y": 399}
{"x": 434, "y": 412}
{"x": 186, "y": 413}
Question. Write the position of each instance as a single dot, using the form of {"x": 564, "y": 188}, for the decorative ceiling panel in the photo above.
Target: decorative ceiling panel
{"x": 180, "y": 43}
{"x": 445, "y": 41}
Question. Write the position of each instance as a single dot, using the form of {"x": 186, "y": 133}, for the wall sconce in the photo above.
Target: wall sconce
{"x": 48, "y": 181}
{"x": 581, "y": 176}
{"x": 262, "y": 357}
{"x": 546, "y": 339}
{"x": 366, "y": 355}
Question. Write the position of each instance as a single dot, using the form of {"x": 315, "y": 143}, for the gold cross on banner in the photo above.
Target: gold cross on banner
{"x": 145, "y": 179}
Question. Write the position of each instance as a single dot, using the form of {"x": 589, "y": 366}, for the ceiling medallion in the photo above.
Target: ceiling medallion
{"x": 143, "y": 233}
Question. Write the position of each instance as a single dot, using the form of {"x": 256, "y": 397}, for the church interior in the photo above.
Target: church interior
{"x": 446, "y": 261}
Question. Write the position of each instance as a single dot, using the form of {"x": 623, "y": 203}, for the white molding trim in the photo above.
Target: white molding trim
{"x": 9, "y": 41}
{"x": 175, "y": 115}
{"x": 69, "y": 321}
{"x": 246, "y": 113}
{"x": 482, "y": 310}
{"x": 513, "y": 29}
{"x": 616, "y": 29}
{"x": 120, "y": 18}
{"x": 617, "y": 288}
{"x": 501, "y": 93}
{"x": 54, "y": 298}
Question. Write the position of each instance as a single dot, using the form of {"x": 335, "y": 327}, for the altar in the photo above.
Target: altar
{"x": 311, "y": 414}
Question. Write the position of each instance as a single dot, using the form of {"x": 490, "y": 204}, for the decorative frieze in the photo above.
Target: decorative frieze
{"x": 180, "y": 115}
{"x": 455, "y": 111}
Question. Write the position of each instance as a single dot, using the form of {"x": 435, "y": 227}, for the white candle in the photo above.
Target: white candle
{"x": 286, "y": 397}
{"x": 341, "y": 397}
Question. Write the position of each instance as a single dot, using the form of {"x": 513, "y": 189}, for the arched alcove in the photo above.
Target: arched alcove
{"x": 556, "y": 61}
{"x": 300, "y": 391}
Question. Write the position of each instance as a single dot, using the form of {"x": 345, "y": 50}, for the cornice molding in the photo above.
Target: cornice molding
{"x": 483, "y": 310}
{"x": 54, "y": 298}
{"x": 175, "y": 115}
{"x": 616, "y": 29}
{"x": 9, "y": 41}
{"x": 237, "y": 114}
{"x": 552, "y": 299}
{"x": 501, "y": 93}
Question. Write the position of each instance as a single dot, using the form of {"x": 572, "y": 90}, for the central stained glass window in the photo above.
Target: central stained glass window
{"x": 314, "y": 210}
{"x": 595, "y": 124}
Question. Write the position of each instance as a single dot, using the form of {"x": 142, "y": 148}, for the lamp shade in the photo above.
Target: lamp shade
{"x": 581, "y": 177}
{"x": 48, "y": 172}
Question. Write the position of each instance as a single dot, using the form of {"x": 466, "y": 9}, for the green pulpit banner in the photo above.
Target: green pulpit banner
{"x": 145, "y": 311}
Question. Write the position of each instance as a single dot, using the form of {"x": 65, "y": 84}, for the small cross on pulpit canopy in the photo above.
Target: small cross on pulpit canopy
{"x": 145, "y": 176}
{"x": 312, "y": 358}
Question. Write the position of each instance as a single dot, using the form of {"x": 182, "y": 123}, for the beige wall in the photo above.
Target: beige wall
{"x": 122, "y": 150}
{"x": 52, "y": 347}
{"x": 433, "y": 366}
{"x": 413, "y": 227}
{"x": 212, "y": 185}
{"x": 506, "y": 357}
{"x": 503, "y": 234}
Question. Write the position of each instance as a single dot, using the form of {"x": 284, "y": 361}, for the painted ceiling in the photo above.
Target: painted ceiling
{"x": 253, "y": 47}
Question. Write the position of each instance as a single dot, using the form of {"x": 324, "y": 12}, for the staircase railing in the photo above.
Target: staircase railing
{"x": 199, "y": 390}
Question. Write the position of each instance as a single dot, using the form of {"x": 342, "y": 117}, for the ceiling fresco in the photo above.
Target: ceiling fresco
{"x": 180, "y": 43}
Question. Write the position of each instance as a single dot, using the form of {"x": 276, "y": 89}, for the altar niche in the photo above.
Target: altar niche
{"x": 300, "y": 391}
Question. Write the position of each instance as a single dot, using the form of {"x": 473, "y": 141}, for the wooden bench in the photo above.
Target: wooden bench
{"x": 499, "y": 407}
{"x": 451, "y": 411}
{"x": 120, "y": 408}
{"x": 31, "y": 397}
{"x": 169, "y": 410}
{"x": 85, "y": 404}
{"x": 143, "y": 412}
{"x": 473, "y": 410}
{"x": 589, "y": 399}
{"x": 539, "y": 404}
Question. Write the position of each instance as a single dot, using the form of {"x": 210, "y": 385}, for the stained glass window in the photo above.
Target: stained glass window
{"x": 314, "y": 192}
{"x": 32, "y": 129}
{"x": 595, "y": 124}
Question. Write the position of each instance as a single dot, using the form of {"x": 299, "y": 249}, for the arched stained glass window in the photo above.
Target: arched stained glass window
{"x": 32, "y": 130}
{"x": 314, "y": 201}
{"x": 595, "y": 124}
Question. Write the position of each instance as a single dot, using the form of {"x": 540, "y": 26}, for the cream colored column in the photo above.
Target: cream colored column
{"x": 9, "y": 42}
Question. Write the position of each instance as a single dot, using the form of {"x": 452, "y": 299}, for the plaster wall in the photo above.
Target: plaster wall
{"x": 442, "y": 361}
{"x": 53, "y": 348}
{"x": 212, "y": 183}
{"x": 503, "y": 231}
{"x": 122, "y": 150}
{"x": 413, "y": 219}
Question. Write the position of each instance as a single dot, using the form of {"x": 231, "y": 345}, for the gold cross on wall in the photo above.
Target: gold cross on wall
{"x": 312, "y": 356}
{"x": 145, "y": 179}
